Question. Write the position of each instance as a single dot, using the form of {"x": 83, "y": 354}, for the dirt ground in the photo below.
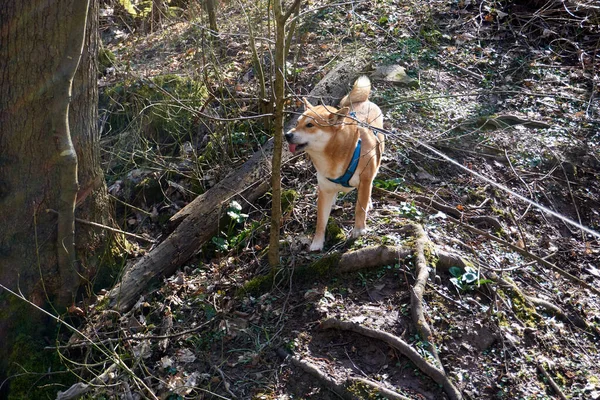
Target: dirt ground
{"x": 505, "y": 89}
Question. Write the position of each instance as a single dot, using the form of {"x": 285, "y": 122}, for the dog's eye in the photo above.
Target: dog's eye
{"x": 309, "y": 125}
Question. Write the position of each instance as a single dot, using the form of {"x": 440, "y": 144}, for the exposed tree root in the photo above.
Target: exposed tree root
{"x": 313, "y": 370}
{"x": 436, "y": 374}
{"x": 418, "y": 289}
{"x": 377, "y": 256}
{"x": 371, "y": 257}
{"x": 556, "y": 388}
{"x": 427, "y": 202}
{"x": 353, "y": 388}
{"x": 546, "y": 305}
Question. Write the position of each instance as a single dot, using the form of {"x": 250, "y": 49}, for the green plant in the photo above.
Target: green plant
{"x": 228, "y": 240}
{"x": 388, "y": 184}
{"x": 409, "y": 210}
{"x": 466, "y": 279}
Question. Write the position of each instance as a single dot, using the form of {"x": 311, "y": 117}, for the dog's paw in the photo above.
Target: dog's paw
{"x": 356, "y": 232}
{"x": 316, "y": 245}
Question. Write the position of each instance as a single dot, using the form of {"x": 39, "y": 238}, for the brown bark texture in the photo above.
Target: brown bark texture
{"x": 198, "y": 222}
{"x": 36, "y": 67}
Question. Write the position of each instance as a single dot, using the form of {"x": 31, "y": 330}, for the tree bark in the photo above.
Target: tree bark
{"x": 198, "y": 222}
{"x": 40, "y": 145}
{"x": 211, "y": 9}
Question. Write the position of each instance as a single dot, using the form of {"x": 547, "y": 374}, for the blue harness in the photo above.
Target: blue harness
{"x": 344, "y": 180}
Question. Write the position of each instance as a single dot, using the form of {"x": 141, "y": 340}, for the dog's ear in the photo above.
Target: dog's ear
{"x": 307, "y": 105}
{"x": 338, "y": 116}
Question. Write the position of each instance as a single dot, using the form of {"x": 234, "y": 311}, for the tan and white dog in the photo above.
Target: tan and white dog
{"x": 346, "y": 155}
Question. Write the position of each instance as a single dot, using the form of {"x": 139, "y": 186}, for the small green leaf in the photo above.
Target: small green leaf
{"x": 455, "y": 271}
{"x": 220, "y": 242}
{"x": 469, "y": 277}
{"x": 456, "y": 283}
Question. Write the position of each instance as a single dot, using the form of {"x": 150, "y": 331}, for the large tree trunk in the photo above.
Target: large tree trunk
{"x": 199, "y": 221}
{"x": 42, "y": 158}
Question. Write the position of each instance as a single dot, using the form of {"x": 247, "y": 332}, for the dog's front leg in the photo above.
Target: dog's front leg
{"x": 363, "y": 204}
{"x": 324, "y": 203}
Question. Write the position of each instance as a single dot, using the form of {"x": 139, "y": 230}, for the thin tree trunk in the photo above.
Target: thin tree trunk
{"x": 211, "y": 9}
{"x": 279, "y": 92}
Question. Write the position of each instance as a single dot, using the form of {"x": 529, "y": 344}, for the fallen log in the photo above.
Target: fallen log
{"x": 198, "y": 222}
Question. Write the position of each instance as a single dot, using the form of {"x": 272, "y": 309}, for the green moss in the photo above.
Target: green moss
{"x": 27, "y": 362}
{"x": 498, "y": 211}
{"x": 103, "y": 304}
{"x": 324, "y": 266}
{"x": 288, "y": 198}
{"x": 430, "y": 254}
{"x": 524, "y": 310}
{"x": 106, "y": 59}
{"x": 362, "y": 391}
{"x": 321, "y": 267}
{"x": 334, "y": 233}
{"x": 258, "y": 285}
{"x": 414, "y": 189}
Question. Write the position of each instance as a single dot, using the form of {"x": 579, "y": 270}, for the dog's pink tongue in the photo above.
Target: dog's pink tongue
{"x": 293, "y": 147}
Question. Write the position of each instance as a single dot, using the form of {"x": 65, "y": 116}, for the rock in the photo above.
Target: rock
{"x": 395, "y": 74}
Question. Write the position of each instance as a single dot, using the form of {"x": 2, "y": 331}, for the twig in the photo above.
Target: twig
{"x": 111, "y": 356}
{"x": 463, "y": 70}
{"x": 527, "y": 254}
{"x": 136, "y": 338}
{"x": 226, "y": 383}
{"x": 108, "y": 228}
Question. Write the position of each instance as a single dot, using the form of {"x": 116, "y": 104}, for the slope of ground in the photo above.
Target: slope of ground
{"x": 507, "y": 91}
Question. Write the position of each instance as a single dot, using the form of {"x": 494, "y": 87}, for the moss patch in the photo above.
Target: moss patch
{"x": 27, "y": 362}
{"x": 334, "y": 233}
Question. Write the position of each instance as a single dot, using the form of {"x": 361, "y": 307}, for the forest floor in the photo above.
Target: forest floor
{"x": 511, "y": 93}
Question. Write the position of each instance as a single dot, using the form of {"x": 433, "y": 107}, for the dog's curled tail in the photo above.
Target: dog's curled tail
{"x": 359, "y": 93}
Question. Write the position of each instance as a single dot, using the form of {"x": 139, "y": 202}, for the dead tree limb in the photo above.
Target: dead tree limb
{"x": 199, "y": 220}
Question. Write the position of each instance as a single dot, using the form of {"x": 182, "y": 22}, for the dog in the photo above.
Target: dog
{"x": 346, "y": 154}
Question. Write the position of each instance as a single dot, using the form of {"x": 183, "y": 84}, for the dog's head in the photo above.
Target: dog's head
{"x": 315, "y": 128}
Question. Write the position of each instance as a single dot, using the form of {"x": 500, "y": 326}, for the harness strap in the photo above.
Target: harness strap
{"x": 344, "y": 180}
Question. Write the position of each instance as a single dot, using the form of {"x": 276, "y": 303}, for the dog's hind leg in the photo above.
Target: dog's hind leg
{"x": 324, "y": 203}
{"x": 363, "y": 204}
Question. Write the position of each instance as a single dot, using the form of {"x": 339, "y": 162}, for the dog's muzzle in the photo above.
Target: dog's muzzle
{"x": 294, "y": 147}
